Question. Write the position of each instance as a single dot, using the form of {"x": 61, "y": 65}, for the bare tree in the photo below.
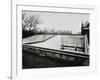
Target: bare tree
{"x": 30, "y": 22}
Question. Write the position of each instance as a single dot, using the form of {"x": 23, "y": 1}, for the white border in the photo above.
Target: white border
{"x": 18, "y": 73}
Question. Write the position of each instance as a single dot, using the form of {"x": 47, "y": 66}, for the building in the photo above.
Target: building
{"x": 85, "y": 30}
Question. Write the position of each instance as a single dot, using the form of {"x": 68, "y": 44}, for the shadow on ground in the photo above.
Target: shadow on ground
{"x": 32, "y": 60}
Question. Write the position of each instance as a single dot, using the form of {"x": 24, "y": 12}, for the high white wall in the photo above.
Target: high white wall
{"x": 5, "y": 36}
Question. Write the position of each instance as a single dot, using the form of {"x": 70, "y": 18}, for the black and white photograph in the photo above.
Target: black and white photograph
{"x": 55, "y": 39}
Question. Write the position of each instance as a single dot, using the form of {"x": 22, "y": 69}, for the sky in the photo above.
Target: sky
{"x": 60, "y": 21}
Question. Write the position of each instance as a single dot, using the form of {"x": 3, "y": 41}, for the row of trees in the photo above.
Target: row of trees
{"x": 53, "y": 31}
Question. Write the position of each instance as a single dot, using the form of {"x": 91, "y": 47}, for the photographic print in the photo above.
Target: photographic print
{"x": 55, "y": 39}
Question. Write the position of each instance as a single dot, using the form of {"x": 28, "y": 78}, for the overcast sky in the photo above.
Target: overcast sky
{"x": 60, "y": 21}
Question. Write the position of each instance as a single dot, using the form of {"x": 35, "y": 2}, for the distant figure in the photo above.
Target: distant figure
{"x": 62, "y": 47}
{"x": 75, "y": 48}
